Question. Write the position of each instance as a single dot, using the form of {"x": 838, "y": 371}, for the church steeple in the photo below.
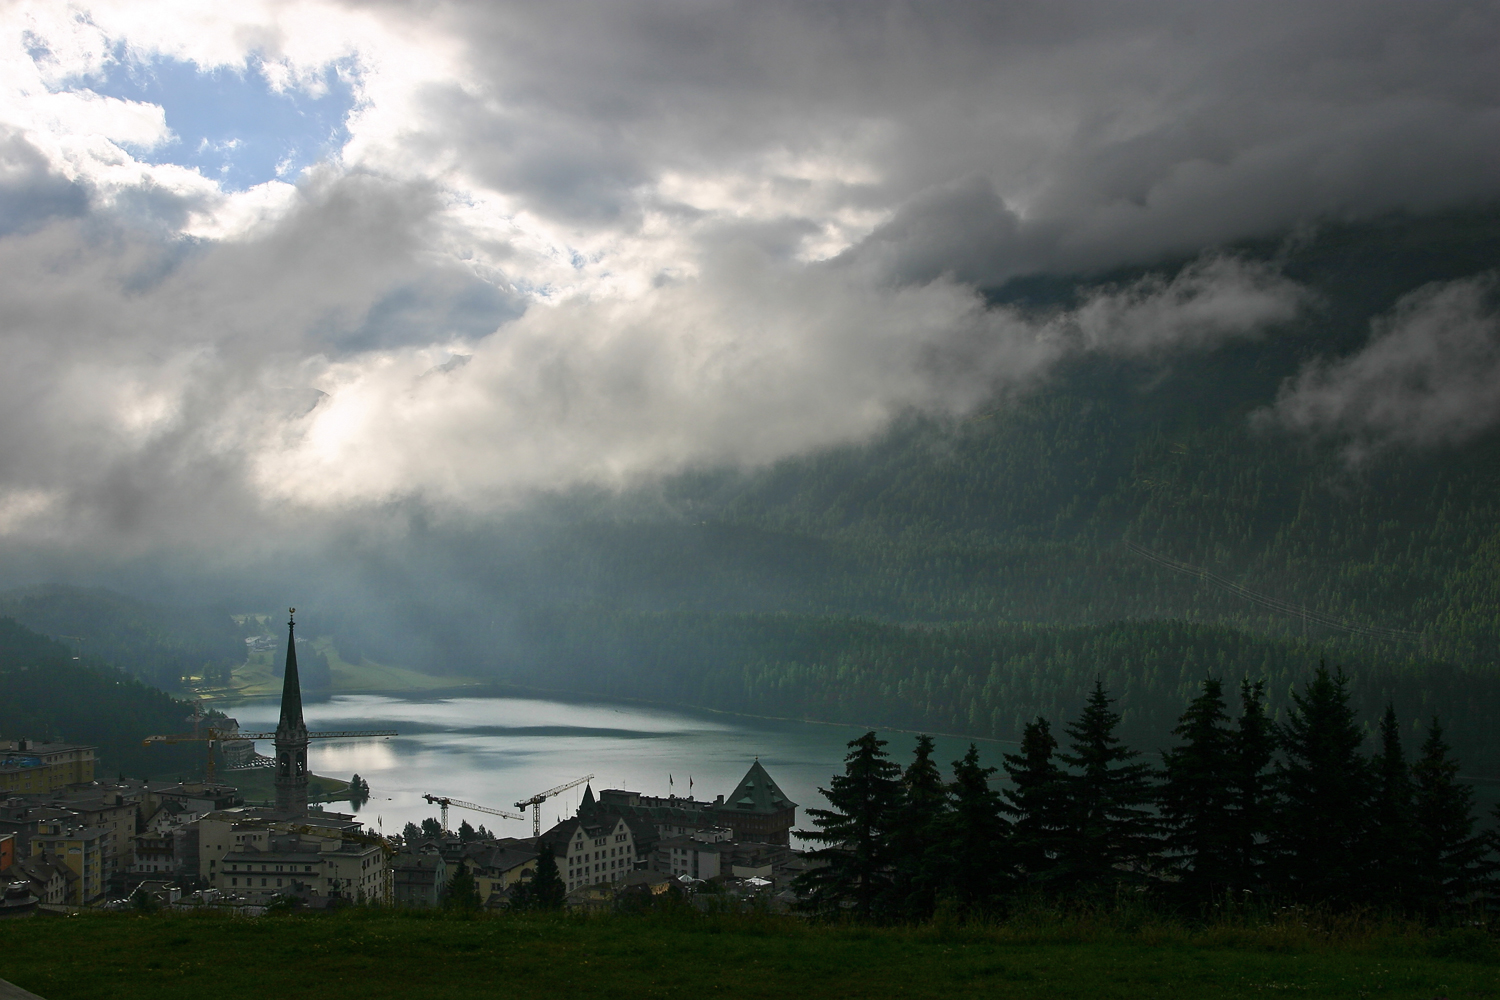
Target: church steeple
{"x": 291, "y": 734}
{"x": 291, "y": 685}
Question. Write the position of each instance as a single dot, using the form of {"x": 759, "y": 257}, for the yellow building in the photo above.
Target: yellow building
{"x": 31, "y": 768}
{"x": 82, "y": 848}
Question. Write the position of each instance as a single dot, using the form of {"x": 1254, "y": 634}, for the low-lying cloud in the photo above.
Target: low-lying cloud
{"x": 753, "y": 360}
{"x": 1429, "y": 376}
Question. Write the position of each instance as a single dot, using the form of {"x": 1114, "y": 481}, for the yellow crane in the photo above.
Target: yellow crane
{"x": 210, "y": 736}
{"x": 535, "y": 802}
{"x": 443, "y": 802}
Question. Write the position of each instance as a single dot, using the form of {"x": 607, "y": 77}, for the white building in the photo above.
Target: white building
{"x": 599, "y": 849}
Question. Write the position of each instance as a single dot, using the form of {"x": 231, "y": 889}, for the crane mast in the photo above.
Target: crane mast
{"x": 535, "y": 802}
{"x": 209, "y": 735}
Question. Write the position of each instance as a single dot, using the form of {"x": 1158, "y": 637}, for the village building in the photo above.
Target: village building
{"x": 419, "y": 877}
{"x": 757, "y": 810}
{"x": 109, "y": 807}
{"x": 252, "y": 826}
{"x": 82, "y": 849}
{"x": 497, "y": 866}
{"x": 690, "y": 856}
{"x": 50, "y": 879}
{"x": 593, "y": 847}
{"x": 28, "y": 767}
{"x": 306, "y": 865}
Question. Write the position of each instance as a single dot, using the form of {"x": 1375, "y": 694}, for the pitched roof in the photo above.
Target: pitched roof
{"x": 757, "y": 793}
{"x": 598, "y": 825}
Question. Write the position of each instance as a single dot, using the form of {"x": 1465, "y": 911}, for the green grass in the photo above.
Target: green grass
{"x": 373, "y": 954}
{"x": 259, "y": 786}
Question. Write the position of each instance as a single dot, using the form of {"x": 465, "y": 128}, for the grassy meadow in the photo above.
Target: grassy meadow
{"x": 256, "y": 678}
{"x": 372, "y": 954}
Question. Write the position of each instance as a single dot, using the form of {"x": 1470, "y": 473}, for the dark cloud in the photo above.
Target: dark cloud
{"x": 686, "y": 233}
{"x": 30, "y": 193}
{"x": 1079, "y": 135}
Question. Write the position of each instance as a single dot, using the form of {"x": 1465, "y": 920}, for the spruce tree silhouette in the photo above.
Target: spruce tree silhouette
{"x": 917, "y": 836}
{"x": 462, "y": 893}
{"x": 1254, "y": 787}
{"x": 978, "y": 871}
{"x": 1112, "y": 833}
{"x": 547, "y": 891}
{"x": 1450, "y": 859}
{"x": 1036, "y": 803}
{"x": 1323, "y": 822}
{"x": 1197, "y": 799}
{"x": 1393, "y": 830}
{"x": 857, "y": 832}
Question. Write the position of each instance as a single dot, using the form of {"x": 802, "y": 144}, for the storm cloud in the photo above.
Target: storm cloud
{"x": 668, "y": 235}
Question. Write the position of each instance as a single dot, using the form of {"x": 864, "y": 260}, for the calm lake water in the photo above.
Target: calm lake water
{"x": 494, "y": 751}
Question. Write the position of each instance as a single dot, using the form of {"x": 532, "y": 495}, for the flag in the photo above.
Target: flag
{"x": 669, "y": 781}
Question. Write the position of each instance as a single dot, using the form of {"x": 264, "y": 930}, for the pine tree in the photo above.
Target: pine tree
{"x": 1253, "y": 786}
{"x": 547, "y": 891}
{"x": 1112, "y": 834}
{"x": 976, "y": 872}
{"x": 1197, "y": 800}
{"x": 1450, "y": 859}
{"x": 1393, "y": 834}
{"x": 466, "y": 832}
{"x": 1035, "y": 803}
{"x": 410, "y": 834}
{"x": 858, "y": 831}
{"x": 1324, "y": 783}
{"x": 462, "y": 893}
{"x": 917, "y": 836}
{"x": 432, "y": 829}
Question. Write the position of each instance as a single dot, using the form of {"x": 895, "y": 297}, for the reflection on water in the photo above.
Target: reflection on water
{"x": 494, "y": 751}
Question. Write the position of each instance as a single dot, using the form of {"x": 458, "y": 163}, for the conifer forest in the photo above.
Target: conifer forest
{"x": 1239, "y": 816}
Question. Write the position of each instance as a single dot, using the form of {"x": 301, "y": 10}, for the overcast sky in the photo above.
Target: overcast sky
{"x": 275, "y": 267}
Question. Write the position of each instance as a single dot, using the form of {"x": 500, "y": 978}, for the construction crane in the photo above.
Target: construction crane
{"x": 443, "y": 802}
{"x": 210, "y": 735}
{"x": 535, "y": 802}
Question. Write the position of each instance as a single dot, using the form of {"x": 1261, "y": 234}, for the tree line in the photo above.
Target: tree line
{"x": 1238, "y": 810}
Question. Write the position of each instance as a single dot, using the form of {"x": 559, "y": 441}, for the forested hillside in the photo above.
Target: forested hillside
{"x": 159, "y": 644}
{"x": 46, "y": 694}
{"x": 978, "y": 679}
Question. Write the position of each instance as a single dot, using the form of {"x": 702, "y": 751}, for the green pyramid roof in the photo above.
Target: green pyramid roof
{"x": 757, "y": 793}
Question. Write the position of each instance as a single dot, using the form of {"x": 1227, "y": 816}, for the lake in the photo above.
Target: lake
{"x": 495, "y": 751}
